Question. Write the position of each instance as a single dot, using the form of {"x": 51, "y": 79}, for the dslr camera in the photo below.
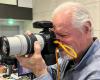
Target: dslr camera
{"x": 23, "y": 44}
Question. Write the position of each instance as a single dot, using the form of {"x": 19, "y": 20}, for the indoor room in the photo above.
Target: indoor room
{"x": 33, "y": 33}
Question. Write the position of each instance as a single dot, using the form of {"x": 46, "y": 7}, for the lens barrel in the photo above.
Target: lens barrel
{"x": 20, "y": 44}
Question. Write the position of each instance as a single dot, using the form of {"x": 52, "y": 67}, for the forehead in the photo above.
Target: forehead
{"x": 62, "y": 18}
{"x": 65, "y": 29}
{"x": 62, "y": 25}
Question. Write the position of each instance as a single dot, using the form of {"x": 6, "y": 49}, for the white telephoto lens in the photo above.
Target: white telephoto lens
{"x": 18, "y": 45}
{"x": 24, "y": 44}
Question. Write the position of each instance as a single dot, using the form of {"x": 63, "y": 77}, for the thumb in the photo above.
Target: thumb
{"x": 37, "y": 47}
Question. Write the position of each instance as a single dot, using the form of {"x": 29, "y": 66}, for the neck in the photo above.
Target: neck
{"x": 82, "y": 53}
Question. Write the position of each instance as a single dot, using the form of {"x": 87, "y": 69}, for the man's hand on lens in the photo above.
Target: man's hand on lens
{"x": 35, "y": 63}
{"x": 28, "y": 33}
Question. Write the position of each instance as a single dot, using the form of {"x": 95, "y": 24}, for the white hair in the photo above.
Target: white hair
{"x": 79, "y": 14}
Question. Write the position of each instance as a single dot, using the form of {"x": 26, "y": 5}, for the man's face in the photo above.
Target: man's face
{"x": 67, "y": 34}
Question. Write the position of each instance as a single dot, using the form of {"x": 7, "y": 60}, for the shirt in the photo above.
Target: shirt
{"x": 87, "y": 69}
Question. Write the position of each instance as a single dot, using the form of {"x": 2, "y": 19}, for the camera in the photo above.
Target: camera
{"x": 23, "y": 44}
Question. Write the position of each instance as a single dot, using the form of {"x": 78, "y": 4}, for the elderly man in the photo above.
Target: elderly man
{"x": 72, "y": 27}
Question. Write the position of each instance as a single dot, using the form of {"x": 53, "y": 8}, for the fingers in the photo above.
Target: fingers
{"x": 28, "y": 33}
{"x": 37, "y": 47}
{"x": 20, "y": 58}
{"x": 35, "y": 61}
{"x": 24, "y": 61}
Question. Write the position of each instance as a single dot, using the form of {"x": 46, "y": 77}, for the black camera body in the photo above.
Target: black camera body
{"x": 23, "y": 44}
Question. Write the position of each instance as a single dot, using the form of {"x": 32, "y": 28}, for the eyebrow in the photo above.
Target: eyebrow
{"x": 65, "y": 33}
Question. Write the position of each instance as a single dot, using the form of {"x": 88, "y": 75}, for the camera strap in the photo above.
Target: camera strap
{"x": 68, "y": 51}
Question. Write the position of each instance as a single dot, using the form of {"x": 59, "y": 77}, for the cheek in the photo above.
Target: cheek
{"x": 74, "y": 43}
{"x": 78, "y": 44}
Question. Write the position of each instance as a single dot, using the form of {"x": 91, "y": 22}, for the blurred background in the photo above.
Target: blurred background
{"x": 16, "y": 16}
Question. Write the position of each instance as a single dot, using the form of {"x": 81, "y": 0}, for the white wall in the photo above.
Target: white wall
{"x": 28, "y": 26}
{"x": 42, "y": 10}
{"x": 12, "y": 2}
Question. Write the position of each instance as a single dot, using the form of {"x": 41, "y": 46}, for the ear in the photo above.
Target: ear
{"x": 87, "y": 27}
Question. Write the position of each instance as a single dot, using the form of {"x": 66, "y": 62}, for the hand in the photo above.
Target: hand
{"x": 28, "y": 33}
{"x": 35, "y": 63}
